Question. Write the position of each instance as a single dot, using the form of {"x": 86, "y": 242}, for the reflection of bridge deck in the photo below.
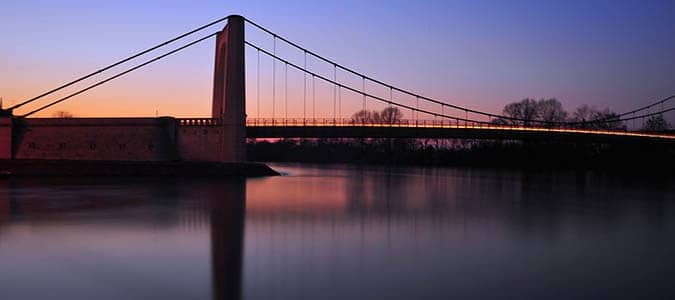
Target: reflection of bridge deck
{"x": 330, "y": 128}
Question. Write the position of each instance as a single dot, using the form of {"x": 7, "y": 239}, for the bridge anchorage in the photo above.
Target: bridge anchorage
{"x": 221, "y": 137}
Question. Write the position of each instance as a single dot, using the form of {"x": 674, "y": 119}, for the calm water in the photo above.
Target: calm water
{"x": 341, "y": 232}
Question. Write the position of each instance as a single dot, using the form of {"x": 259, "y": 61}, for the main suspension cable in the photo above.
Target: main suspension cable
{"x": 410, "y": 93}
{"x": 435, "y": 114}
{"x": 119, "y": 62}
{"x": 337, "y": 84}
{"x": 119, "y": 75}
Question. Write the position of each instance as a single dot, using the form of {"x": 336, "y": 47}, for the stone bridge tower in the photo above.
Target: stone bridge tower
{"x": 159, "y": 140}
{"x": 229, "y": 89}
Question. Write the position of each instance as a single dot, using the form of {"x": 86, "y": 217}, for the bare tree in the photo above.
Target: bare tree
{"x": 592, "y": 118}
{"x": 656, "y": 123}
{"x": 365, "y": 117}
{"x": 529, "y": 111}
{"x": 607, "y": 119}
{"x": 525, "y": 110}
{"x": 375, "y": 117}
{"x": 391, "y": 115}
{"x": 551, "y": 110}
{"x": 62, "y": 114}
{"x": 584, "y": 113}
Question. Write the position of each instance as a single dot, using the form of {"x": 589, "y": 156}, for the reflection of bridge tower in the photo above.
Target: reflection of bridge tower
{"x": 229, "y": 102}
{"x": 228, "y": 205}
{"x": 4, "y": 201}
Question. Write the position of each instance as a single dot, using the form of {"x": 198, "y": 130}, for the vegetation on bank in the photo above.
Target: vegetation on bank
{"x": 550, "y": 110}
{"x": 463, "y": 152}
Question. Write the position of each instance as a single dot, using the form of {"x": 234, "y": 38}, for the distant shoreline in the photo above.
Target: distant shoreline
{"x": 550, "y": 155}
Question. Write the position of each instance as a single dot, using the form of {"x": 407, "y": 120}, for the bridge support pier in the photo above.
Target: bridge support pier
{"x": 229, "y": 94}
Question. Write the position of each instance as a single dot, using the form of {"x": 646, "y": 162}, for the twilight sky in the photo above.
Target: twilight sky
{"x": 481, "y": 54}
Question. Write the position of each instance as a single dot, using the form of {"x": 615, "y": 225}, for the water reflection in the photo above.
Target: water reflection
{"x": 227, "y": 205}
{"x": 133, "y": 238}
{"x": 340, "y": 232}
{"x": 437, "y": 233}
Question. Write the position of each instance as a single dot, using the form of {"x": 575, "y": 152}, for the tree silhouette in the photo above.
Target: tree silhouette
{"x": 656, "y": 123}
{"x": 583, "y": 113}
{"x": 391, "y": 115}
{"x": 609, "y": 120}
{"x": 363, "y": 116}
{"x": 62, "y": 114}
{"x": 551, "y": 110}
{"x": 526, "y": 110}
{"x": 592, "y": 118}
{"x": 530, "y": 110}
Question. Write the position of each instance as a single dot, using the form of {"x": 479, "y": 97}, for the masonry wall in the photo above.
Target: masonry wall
{"x": 200, "y": 142}
{"x": 5, "y": 138}
{"x": 131, "y": 139}
{"x": 116, "y": 139}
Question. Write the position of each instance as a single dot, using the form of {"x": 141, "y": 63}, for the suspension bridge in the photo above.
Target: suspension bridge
{"x": 332, "y": 107}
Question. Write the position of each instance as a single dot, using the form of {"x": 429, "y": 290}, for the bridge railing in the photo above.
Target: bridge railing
{"x": 423, "y": 123}
{"x": 416, "y": 123}
{"x": 199, "y": 121}
{"x": 409, "y": 123}
{"x": 342, "y": 122}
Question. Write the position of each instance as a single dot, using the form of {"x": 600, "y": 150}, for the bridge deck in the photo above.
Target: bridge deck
{"x": 430, "y": 129}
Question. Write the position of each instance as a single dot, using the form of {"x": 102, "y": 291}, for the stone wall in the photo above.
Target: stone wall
{"x": 5, "y": 138}
{"x": 115, "y": 139}
{"x": 200, "y": 140}
{"x": 133, "y": 139}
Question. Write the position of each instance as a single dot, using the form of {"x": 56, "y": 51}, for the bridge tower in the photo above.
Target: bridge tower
{"x": 229, "y": 94}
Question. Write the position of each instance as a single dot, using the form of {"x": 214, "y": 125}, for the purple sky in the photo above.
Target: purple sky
{"x": 481, "y": 54}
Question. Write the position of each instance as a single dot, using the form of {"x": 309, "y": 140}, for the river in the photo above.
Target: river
{"x": 341, "y": 232}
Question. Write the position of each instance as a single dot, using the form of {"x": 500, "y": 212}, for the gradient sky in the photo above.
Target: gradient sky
{"x": 481, "y": 54}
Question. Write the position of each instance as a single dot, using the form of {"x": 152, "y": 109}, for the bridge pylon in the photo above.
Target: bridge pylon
{"x": 229, "y": 89}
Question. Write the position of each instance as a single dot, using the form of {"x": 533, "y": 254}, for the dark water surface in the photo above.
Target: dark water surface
{"x": 341, "y": 232}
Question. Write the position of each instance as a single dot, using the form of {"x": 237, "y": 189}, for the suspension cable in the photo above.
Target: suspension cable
{"x": 339, "y": 92}
{"x": 286, "y": 91}
{"x": 304, "y": 90}
{"x": 120, "y": 62}
{"x": 330, "y": 81}
{"x": 119, "y": 75}
{"x": 313, "y": 97}
{"x": 417, "y": 109}
{"x": 648, "y": 106}
{"x": 467, "y": 110}
{"x": 258, "y": 84}
{"x": 334, "y": 89}
{"x": 363, "y": 90}
{"x": 435, "y": 114}
{"x": 274, "y": 77}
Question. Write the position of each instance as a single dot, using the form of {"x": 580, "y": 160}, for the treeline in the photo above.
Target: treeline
{"x": 542, "y": 112}
{"x": 551, "y": 111}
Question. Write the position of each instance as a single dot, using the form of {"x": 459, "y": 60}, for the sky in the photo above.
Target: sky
{"x": 480, "y": 54}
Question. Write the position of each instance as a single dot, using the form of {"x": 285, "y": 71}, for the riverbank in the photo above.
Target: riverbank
{"x": 134, "y": 168}
{"x": 467, "y": 153}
